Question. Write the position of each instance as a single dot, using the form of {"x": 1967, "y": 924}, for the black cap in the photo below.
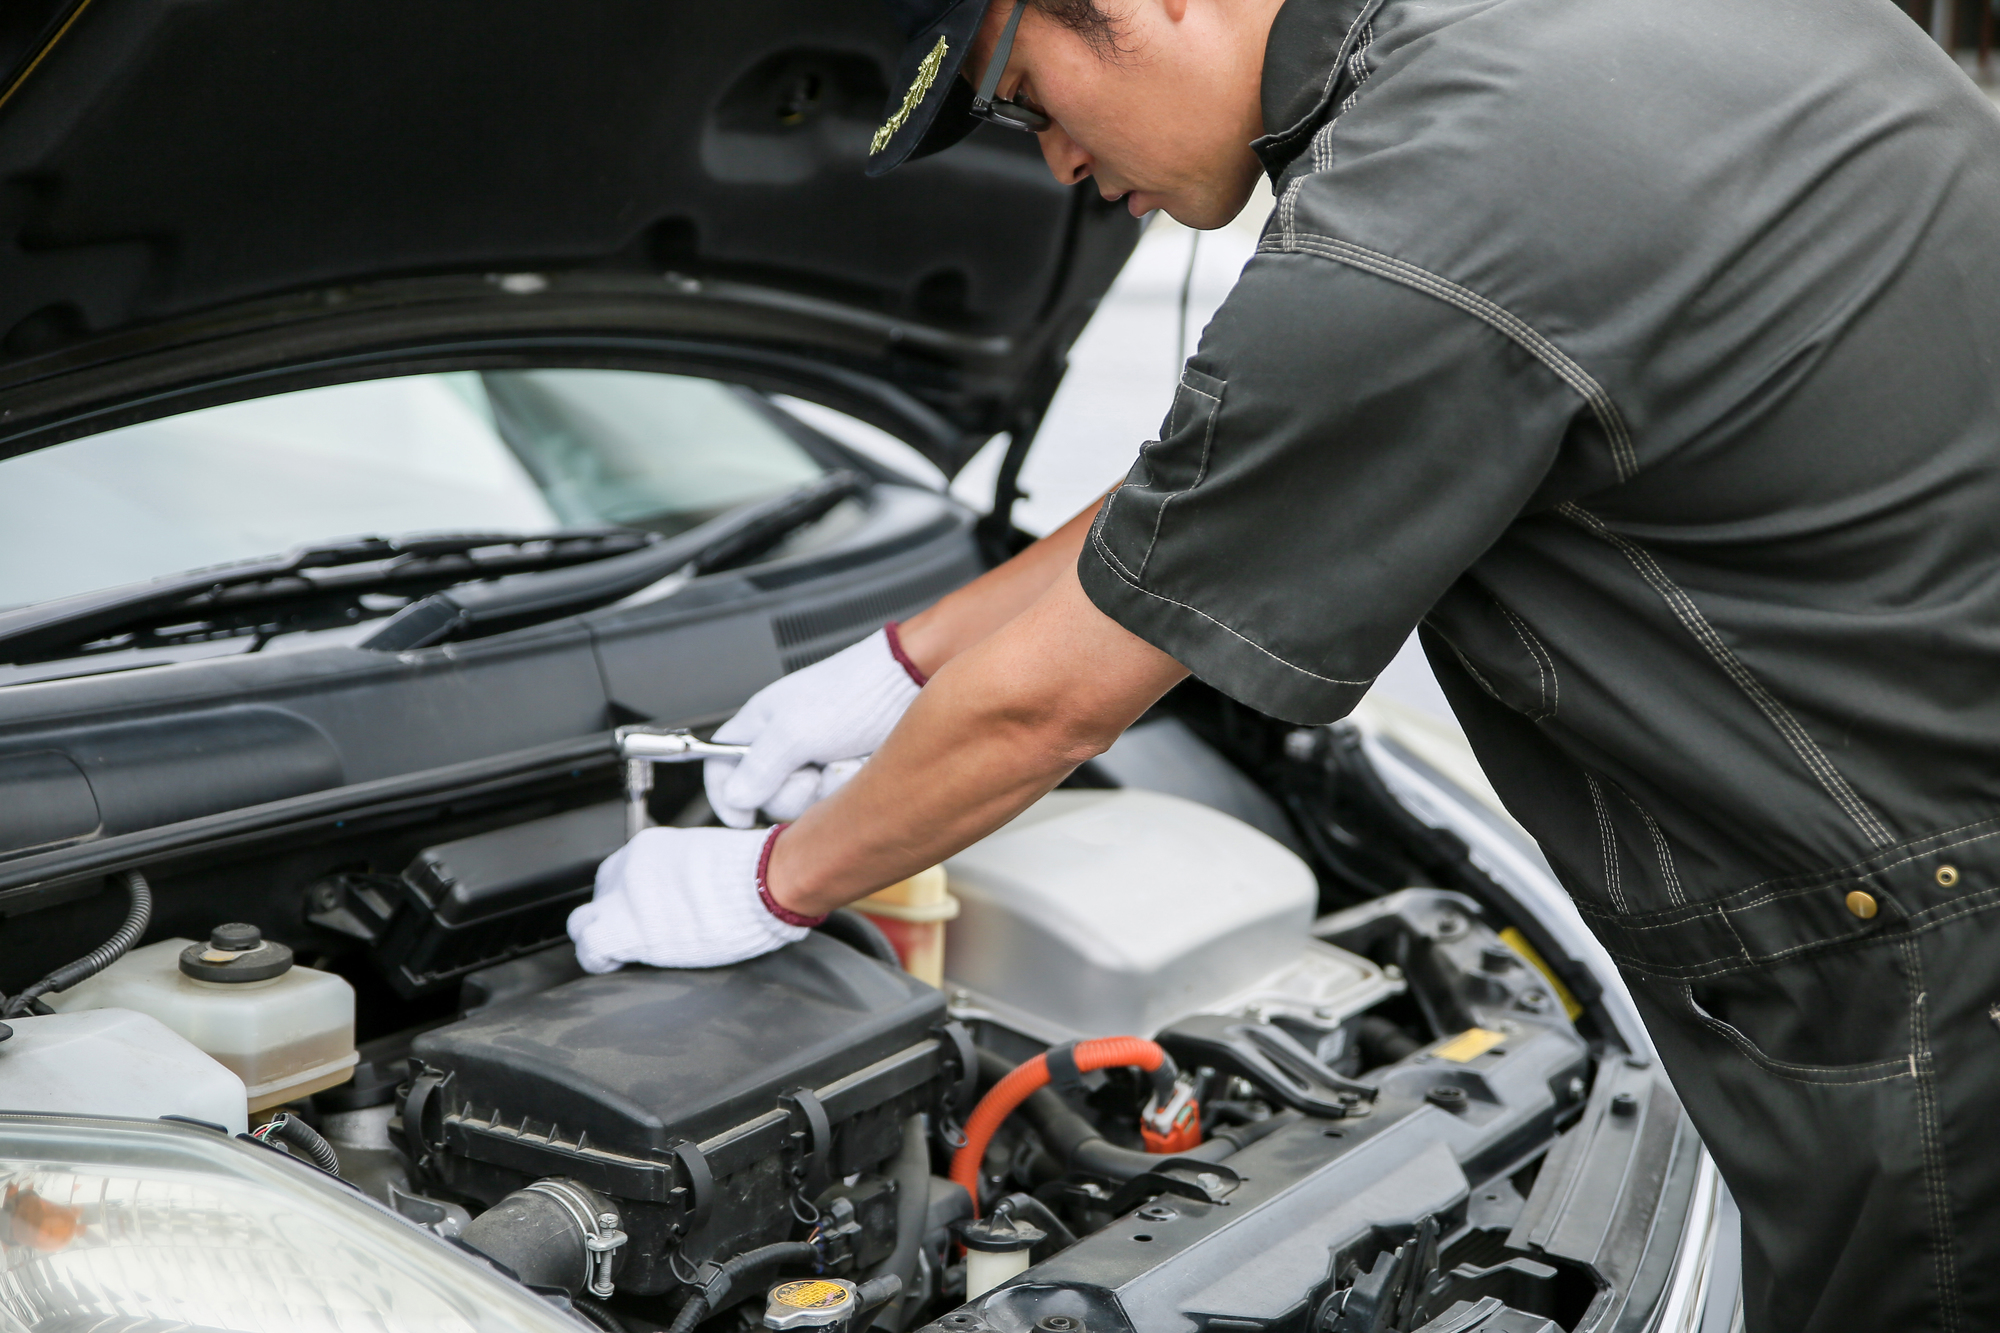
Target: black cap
{"x": 929, "y": 105}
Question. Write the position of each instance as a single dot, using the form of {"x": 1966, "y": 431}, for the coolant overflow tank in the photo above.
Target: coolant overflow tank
{"x": 1100, "y": 912}
{"x": 285, "y": 1030}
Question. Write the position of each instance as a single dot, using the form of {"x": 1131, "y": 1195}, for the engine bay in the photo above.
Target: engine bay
{"x": 1266, "y": 1054}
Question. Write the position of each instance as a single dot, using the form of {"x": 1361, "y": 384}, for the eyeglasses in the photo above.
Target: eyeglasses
{"x": 1001, "y": 110}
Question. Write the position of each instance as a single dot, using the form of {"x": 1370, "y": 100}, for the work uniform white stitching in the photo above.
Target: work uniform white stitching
{"x": 1795, "y": 1072}
{"x": 1474, "y": 672}
{"x": 1780, "y": 717}
{"x": 1124, "y": 576}
{"x": 1357, "y": 65}
{"x": 1097, "y": 539}
{"x": 1607, "y": 838}
{"x": 1916, "y": 925}
{"x": 1936, "y": 1180}
{"x": 1666, "y": 855}
{"x": 1201, "y": 469}
{"x": 1322, "y": 141}
{"x": 1669, "y": 917}
{"x": 1545, "y": 667}
{"x": 1661, "y": 850}
{"x": 1624, "y": 456}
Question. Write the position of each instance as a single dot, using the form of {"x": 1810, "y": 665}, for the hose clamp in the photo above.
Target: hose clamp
{"x": 597, "y": 1221}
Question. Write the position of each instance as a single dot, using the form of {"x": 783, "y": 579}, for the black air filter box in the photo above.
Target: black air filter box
{"x": 704, "y": 1100}
{"x": 494, "y": 896}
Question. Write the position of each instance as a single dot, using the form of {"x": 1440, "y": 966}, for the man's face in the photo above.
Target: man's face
{"x": 1164, "y": 120}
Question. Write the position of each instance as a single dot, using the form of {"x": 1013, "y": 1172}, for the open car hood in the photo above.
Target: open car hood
{"x": 199, "y": 191}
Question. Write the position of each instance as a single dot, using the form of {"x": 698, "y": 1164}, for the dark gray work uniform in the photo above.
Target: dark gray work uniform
{"x": 1647, "y": 352}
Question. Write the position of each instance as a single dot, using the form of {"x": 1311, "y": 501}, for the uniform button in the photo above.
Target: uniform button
{"x": 1947, "y": 875}
{"x": 1861, "y": 904}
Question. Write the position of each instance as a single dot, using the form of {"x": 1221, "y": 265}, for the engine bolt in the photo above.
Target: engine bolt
{"x": 1446, "y": 1097}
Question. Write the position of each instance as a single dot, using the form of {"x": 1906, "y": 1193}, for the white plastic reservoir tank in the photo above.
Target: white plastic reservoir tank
{"x": 285, "y": 1030}
{"x": 1100, "y": 912}
{"x": 117, "y": 1063}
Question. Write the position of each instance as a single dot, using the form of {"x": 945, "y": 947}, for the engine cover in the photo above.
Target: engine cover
{"x": 704, "y": 1101}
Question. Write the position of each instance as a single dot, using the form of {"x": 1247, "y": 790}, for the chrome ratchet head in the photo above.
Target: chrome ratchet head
{"x": 642, "y": 747}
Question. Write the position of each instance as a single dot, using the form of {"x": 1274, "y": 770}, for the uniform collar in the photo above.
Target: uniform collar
{"x": 1309, "y": 41}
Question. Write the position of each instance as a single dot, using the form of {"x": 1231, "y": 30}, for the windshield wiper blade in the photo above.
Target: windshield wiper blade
{"x": 496, "y": 579}
{"x": 31, "y": 632}
{"x": 734, "y": 538}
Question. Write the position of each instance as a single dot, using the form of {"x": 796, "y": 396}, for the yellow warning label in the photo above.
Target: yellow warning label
{"x": 1470, "y": 1044}
{"x": 812, "y": 1294}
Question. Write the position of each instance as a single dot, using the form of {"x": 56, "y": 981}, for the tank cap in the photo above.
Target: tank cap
{"x": 1002, "y": 1233}
{"x": 235, "y": 937}
{"x": 236, "y": 951}
{"x": 818, "y": 1302}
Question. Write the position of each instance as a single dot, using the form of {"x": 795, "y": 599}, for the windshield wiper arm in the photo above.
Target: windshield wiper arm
{"x": 29, "y": 632}
{"x": 496, "y": 578}
{"x": 734, "y": 538}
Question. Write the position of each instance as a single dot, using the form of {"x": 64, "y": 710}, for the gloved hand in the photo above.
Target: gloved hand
{"x": 809, "y": 731}
{"x": 675, "y": 897}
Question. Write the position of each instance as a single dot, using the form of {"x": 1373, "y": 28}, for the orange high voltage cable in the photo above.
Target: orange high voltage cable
{"x": 1029, "y": 1077}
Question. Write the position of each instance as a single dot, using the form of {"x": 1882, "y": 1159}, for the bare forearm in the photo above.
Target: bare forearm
{"x": 997, "y": 727}
{"x": 937, "y": 635}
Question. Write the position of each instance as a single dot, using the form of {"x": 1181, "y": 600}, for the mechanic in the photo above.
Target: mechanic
{"x": 1646, "y": 353}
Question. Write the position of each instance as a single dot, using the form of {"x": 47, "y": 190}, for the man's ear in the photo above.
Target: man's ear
{"x": 1175, "y": 10}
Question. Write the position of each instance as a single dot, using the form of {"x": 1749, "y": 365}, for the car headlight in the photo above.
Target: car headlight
{"x": 141, "y": 1226}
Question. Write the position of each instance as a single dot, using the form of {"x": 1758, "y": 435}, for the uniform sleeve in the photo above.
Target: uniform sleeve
{"x": 1340, "y": 449}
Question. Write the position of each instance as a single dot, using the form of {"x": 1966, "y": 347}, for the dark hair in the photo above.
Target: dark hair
{"x": 1085, "y": 18}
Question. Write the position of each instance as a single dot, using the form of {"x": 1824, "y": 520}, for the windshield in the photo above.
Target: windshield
{"x": 496, "y": 451}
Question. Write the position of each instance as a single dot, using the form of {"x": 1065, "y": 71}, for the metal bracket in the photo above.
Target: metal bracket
{"x": 1182, "y": 1177}
{"x": 1270, "y": 1057}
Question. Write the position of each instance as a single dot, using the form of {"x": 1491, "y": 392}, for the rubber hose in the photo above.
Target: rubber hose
{"x": 714, "y": 1293}
{"x": 1383, "y": 1042}
{"x": 912, "y": 1173}
{"x": 1077, "y": 1144}
{"x": 104, "y": 955}
{"x": 597, "y": 1314}
{"x": 1023, "y": 1081}
{"x": 690, "y": 1314}
{"x": 288, "y": 1128}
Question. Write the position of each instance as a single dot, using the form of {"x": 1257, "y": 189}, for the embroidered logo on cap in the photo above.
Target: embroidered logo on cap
{"x": 919, "y": 88}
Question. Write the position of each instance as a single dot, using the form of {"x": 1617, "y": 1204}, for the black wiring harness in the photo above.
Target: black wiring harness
{"x": 29, "y": 1001}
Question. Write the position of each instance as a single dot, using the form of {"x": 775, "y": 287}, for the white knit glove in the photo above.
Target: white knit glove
{"x": 808, "y": 732}
{"x": 675, "y": 897}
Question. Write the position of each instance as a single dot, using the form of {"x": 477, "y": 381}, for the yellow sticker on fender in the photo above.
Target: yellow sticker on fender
{"x": 809, "y": 1295}
{"x": 1470, "y": 1044}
